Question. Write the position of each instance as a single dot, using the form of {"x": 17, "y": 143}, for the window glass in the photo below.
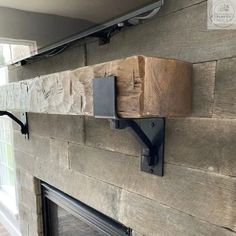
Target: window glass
{"x": 12, "y": 51}
{"x": 7, "y": 165}
{"x": 65, "y": 224}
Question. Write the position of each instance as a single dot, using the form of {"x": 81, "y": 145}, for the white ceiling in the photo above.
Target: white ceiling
{"x": 86, "y": 9}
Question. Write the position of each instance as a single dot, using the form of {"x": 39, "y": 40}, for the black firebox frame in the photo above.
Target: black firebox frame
{"x": 88, "y": 215}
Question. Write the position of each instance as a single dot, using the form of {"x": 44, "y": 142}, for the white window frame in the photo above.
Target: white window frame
{"x": 11, "y": 42}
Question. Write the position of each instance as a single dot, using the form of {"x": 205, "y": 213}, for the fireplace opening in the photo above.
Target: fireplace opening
{"x": 66, "y": 216}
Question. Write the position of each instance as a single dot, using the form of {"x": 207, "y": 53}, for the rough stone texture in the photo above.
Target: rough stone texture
{"x": 30, "y": 223}
{"x": 179, "y": 193}
{"x": 80, "y": 186}
{"x": 135, "y": 233}
{"x": 172, "y": 6}
{"x": 208, "y": 144}
{"x": 42, "y": 164}
{"x": 59, "y": 153}
{"x": 27, "y": 181}
{"x": 161, "y": 219}
{"x": 66, "y": 128}
{"x": 36, "y": 145}
{"x": 30, "y": 200}
{"x": 206, "y": 196}
{"x": 99, "y": 134}
{"x": 29, "y": 203}
{"x": 203, "y": 89}
{"x": 146, "y": 86}
{"x": 225, "y": 91}
{"x": 24, "y": 161}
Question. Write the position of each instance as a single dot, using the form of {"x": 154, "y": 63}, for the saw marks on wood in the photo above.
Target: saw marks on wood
{"x": 146, "y": 87}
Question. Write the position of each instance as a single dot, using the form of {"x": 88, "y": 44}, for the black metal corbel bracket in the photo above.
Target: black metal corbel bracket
{"x": 149, "y": 132}
{"x": 23, "y": 122}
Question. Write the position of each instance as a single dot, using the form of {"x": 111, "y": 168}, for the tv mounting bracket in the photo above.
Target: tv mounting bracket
{"x": 23, "y": 121}
{"x": 106, "y": 34}
{"x": 149, "y": 132}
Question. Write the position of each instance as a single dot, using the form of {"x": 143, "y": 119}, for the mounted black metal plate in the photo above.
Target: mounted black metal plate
{"x": 150, "y": 134}
{"x": 155, "y": 131}
{"x": 104, "y": 97}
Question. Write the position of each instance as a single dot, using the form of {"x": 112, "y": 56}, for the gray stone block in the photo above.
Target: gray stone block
{"x": 27, "y": 181}
{"x": 203, "y": 89}
{"x": 152, "y": 218}
{"x": 62, "y": 127}
{"x": 207, "y": 144}
{"x": 171, "y": 6}
{"x": 97, "y": 194}
{"x": 24, "y": 161}
{"x": 99, "y": 134}
{"x": 59, "y": 152}
{"x": 225, "y": 89}
{"x": 30, "y": 223}
{"x": 206, "y": 196}
{"x": 34, "y": 146}
{"x": 30, "y": 201}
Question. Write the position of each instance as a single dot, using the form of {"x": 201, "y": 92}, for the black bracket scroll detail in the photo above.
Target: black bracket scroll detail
{"x": 150, "y": 132}
{"x": 23, "y": 122}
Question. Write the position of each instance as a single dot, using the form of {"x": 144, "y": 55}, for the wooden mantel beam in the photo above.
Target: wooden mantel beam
{"x": 146, "y": 87}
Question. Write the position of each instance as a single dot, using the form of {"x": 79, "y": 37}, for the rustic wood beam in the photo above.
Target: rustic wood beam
{"x": 146, "y": 87}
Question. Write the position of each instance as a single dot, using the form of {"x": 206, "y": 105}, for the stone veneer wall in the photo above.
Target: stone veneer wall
{"x": 84, "y": 158}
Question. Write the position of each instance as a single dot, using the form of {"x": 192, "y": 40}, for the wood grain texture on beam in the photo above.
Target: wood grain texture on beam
{"x": 146, "y": 87}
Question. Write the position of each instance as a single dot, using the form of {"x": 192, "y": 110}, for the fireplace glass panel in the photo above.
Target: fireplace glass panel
{"x": 65, "y": 224}
{"x": 66, "y": 216}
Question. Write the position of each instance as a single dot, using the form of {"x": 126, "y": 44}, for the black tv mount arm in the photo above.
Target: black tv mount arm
{"x": 23, "y": 122}
{"x": 150, "y": 132}
{"x": 106, "y": 34}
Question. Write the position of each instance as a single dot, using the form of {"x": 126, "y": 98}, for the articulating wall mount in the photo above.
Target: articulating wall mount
{"x": 149, "y": 132}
